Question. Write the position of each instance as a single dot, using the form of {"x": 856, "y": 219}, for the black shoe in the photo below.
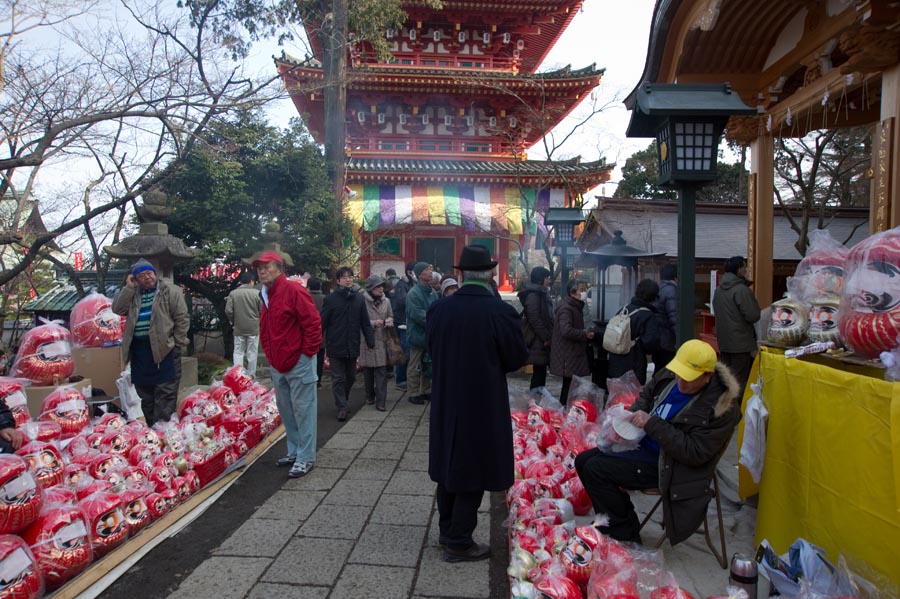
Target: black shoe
{"x": 370, "y": 401}
{"x": 477, "y": 552}
{"x": 417, "y": 399}
{"x": 342, "y": 415}
{"x": 380, "y": 407}
{"x": 287, "y": 460}
{"x": 427, "y": 397}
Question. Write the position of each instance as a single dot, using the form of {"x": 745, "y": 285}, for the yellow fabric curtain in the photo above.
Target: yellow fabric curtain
{"x": 832, "y": 466}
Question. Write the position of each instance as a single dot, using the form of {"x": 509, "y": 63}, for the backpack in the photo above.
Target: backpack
{"x": 617, "y": 337}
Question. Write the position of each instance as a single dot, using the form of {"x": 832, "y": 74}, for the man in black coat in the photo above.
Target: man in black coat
{"x": 344, "y": 315}
{"x": 474, "y": 340}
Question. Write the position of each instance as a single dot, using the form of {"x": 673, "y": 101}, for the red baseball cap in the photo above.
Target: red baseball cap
{"x": 268, "y": 257}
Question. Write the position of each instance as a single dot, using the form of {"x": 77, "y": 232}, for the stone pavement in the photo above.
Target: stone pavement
{"x": 363, "y": 524}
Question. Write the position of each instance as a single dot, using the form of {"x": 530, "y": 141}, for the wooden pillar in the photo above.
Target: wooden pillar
{"x": 761, "y": 218}
{"x": 885, "y": 206}
{"x": 503, "y": 259}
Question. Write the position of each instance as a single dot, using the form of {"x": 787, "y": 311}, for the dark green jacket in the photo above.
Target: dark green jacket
{"x": 736, "y": 313}
{"x": 418, "y": 300}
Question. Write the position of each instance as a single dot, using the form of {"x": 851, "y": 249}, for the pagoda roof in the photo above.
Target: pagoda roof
{"x": 585, "y": 174}
{"x": 543, "y": 20}
{"x": 563, "y": 88}
{"x": 393, "y": 77}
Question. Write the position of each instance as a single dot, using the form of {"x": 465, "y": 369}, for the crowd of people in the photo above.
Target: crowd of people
{"x": 454, "y": 342}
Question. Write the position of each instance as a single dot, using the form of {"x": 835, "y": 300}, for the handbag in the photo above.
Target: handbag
{"x": 395, "y": 355}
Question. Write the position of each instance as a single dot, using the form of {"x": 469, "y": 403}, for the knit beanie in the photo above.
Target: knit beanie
{"x": 419, "y": 267}
{"x": 140, "y": 266}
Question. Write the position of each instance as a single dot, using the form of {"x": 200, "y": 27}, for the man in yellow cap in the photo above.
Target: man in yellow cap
{"x": 688, "y": 412}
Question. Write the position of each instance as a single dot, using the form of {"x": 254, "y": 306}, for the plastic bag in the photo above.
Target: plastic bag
{"x": 870, "y": 298}
{"x": 623, "y": 391}
{"x": 617, "y": 433}
{"x": 67, "y": 406}
{"x": 753, "y": 449}
{"x": 804, "y": 571}
{"x": 61, "y": 544}
{"x": 45, "y": 355}
{"x": 824, "y": 315}
{"x": 94, "y": 324}
{"x": 585, "y": 401}
{"x": 821, "y": 271}
{"x": 12, "y": 392}
{"x": 128, "y": 396}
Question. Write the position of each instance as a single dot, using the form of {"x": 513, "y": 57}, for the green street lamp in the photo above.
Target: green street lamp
{"x": 563, "y": 221}
{"x": 687, "y": 122}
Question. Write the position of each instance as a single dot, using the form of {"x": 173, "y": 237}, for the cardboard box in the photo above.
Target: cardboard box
{"x": 103, "y": 365}
{"x": 35, "y": 395}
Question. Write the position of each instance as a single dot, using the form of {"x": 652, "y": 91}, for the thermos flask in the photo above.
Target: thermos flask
{"x": 743, "y": 574}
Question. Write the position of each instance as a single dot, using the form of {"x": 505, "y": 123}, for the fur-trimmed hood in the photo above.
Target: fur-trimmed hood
{"x": 732, "y": 392}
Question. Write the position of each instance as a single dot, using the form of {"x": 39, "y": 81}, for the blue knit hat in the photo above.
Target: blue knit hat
{"x": 140, "y": 266}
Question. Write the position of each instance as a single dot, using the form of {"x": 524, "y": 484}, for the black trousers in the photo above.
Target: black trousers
{"x": 320, "y": 364}
{"x": 604, "y": 477}
{"x": 343, "y": 375}
{"x": 158, "y": 401}
{"x": 740, "y": 365}
{"x": 538, "y": 376}
{"x": 564, "y": 391}
{"x": 458, "y": 516}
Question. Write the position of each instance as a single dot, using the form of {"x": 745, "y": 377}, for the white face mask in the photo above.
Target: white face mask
{"x": 584, "y": 296}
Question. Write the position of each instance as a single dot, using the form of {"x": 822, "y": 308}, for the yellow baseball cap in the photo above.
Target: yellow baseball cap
{"x": 693, "y": 359}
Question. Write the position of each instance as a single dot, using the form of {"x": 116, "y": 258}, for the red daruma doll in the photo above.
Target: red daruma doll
{"x": 94, "y": 324}
{"x": 870, "y": 299}
{"x": 20, "y": 576}
{"x": 45, "y": 356}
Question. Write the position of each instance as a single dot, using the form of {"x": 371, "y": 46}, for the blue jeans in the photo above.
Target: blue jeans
{"x": 295, "y": 395}
{"x": 400, "y": 371}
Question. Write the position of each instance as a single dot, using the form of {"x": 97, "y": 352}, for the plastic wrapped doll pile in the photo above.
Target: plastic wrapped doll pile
{"x": 848, "y": 297}
{"x": 78, "y": 488}
{"x": 550, "y": 555}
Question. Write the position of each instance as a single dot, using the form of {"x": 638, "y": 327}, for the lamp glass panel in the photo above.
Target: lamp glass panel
{"x": 565, "y": 232}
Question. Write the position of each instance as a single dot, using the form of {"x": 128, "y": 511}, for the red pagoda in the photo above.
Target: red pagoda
{"x": 437, "y": 137}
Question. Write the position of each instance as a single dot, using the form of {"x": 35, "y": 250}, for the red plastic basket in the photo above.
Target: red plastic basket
{"x": 209, "y": 470}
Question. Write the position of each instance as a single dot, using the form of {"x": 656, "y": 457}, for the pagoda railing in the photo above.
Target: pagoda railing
{"x": 435, "y": 145}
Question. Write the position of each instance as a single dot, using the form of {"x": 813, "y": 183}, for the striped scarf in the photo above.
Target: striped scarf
{"x": 142, "y": 326}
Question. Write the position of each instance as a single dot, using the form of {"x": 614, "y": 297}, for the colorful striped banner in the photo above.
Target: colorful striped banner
{"x": 501, "y": 209}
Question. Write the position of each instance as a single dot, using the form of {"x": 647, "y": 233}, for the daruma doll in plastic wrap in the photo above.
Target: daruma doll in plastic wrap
{"x": 788, "y": 322}
{"x": 821, "y": 271}
{"x": 823, "y": 320}
{"x": 21, "y": 498}
{"x": 870, "y": 301}
{"x": 45, "y": 354}
{"x": 20, "y": 576}
{"x": 94, "y": 324}
{"x": 67, "y": 407}
{"x": 61, "y": 545}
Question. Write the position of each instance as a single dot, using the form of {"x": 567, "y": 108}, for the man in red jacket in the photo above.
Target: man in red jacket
{"x": 290, "y": 332}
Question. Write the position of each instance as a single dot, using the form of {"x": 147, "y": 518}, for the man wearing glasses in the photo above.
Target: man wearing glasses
{"x": 156, "y": 328}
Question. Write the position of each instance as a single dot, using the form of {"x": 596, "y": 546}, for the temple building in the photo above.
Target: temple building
{"x": 437, "y": 138}
{"x": 804, "y": 65}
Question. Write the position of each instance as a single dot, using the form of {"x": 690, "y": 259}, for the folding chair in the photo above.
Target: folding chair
{"x": 720, "y": 556}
